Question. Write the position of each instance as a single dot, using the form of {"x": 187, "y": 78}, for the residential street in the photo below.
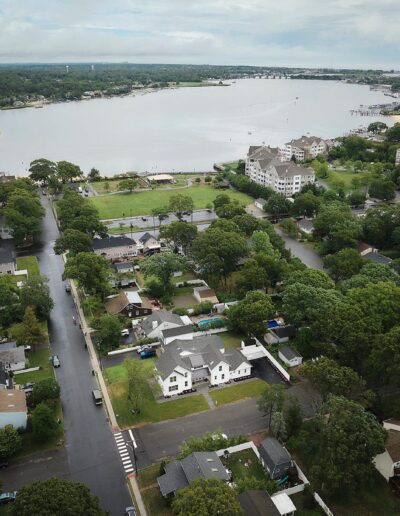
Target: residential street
{"x": 91, "y": 451}
{"x": 299, "y": 249}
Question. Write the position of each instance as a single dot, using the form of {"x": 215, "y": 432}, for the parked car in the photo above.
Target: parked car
{"x": 147, "y": 353}
{"x": 97, "y": 397}
{"x": 55, "y": 361}
{"x": 3, "y": 464}
{"x": 130, "y": 511}
{"x": 67, "y": 286}
{"x": 125, "y": 332}
{"x": 7, "y": 497}
{"x": 27, "y": 348}
{"x": 28, "y": 385}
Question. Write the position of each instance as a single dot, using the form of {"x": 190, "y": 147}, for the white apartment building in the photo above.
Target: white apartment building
{"x": 267, "y": 169}
{"x": 185, "y": 362}
{"x": 397, "y": 161}
{"x": 304, "y": 148}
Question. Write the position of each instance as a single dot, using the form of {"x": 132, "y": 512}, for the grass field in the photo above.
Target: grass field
{"x": 151, "y": 411}
{"x": 238, "y": 392}
{"x": 236, "y": 463}
{"x": 345, "y": 176}
{"x": 231, "y": 340}
{"x": 40, "y": 359}
{"x": 142, "y": 203}
{"x": 29, "y": 263}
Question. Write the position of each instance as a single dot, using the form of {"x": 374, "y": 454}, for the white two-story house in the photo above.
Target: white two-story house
{"x": 114, "y": 248}
{"x": 186, "y": 362}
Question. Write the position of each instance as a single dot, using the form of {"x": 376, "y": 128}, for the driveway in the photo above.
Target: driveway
{"x": 299, "y": 249}
{"x": 263, "y": 369}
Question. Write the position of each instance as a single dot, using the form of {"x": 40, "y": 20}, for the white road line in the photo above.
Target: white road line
{"x": 124, "y": 455}
{"x": 119, "y": 440}
{"x": 129, "y": 470}
{"x": 132, "y": 438}
{"x": 126, "y": 461}
{"x": 118, "y": 433}
{"x": 121, "y": 445}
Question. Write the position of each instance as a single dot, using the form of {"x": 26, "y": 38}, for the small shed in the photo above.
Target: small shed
{"x": 280, "y": 334}
{"x": 290, "y": 356}
{"x": 275, "y": 459}
{"x": 259, "y": 203}
{"x": 205, "y": 293}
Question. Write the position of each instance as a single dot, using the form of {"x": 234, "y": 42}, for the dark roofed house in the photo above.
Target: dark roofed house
{"x": 376, "y": 257}
{"x": 128, "y": 303}
{"x": 114, "y": 248}
{"x": 160, "y": 320}
{"x": 179, "y": 474}
{"x": 170, "y": 334}
{"x": 257, "y": 503}
{"x": 7, "y": 261}
{"x": 280, "y": 334}
{"x": 276, "y": 460}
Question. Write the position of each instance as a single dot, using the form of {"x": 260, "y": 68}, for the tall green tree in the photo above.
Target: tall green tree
{"x": 28, "y": 332}
{"x": 312, "y": 278}
{"x": 108, "y": 332}
{"x": 207, "y": 497}
{"x": 41, "y": 170}
{"x": 47, "y": 390}
{"x": 271, "y": 400}
{"x": 128, "y": 184}
{"x": 10, "y": 442}
{"x": 67, "y": 171}
{"x": 55, "y": 497}
{"x": 162, "y": 266}
{"x": 138, "y": 382}
{"x": 347, "y": 438}
{"x": 24, "y": 214}
{"x": 277, "y": 204}
{"x": 217, "y": 252}
{"x": 344, "y": 264}
{"x": 44, "y": 423}
{"x": 306, "y": 204}
{"x": 181, "y": 234}
{"x": 74, "y": 241}
{"x": 249, "y": 315}
{"x": 181, "y": 205}
{"x": 35, "y": 292}
{"x": 91, "y": 272}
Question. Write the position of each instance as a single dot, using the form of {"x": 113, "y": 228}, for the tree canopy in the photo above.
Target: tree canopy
{"x": 251, "y": 313}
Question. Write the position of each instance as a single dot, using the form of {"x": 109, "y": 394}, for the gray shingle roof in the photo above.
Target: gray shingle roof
{"x": 203, "y": 465}
{"x": 6, "y": 255}
{"x": 289, "y": 352}
{"x": 235, "y": 358}
{"x": 145, "y": 237}
{"x": 109, "y": 242}
{"x": 197, "y": 344}
{"x": 168, "y": 361}
{"x": 122, "y": 265}
{"x": 289, "y": 169}
{"x": 160, "y": 316}
{"x": 173, "y": 479}
{"x": 284, "y": 331}
{"x": 273, "y": 452}
{"x": 12, "y": 356}
{"x": 377, "y": 258}
{"x": 175, "y": 332}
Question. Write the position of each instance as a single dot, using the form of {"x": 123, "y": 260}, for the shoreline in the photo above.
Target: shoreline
{"x": 396, "y": 118}
{"x": 39, "y": 104}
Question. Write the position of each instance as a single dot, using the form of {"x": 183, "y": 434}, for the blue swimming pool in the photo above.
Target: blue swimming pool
{"x": 206, "y": 322}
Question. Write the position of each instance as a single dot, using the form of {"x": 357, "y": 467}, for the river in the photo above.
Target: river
{"x": 185, "y": 129}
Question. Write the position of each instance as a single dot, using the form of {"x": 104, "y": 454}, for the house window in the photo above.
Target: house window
{"x": 220, "y": 368}
{"x": 172, "y": 379}
{"x": 185, "y": 375}
{"x": 173, "y": 388}
{"x": 215, "y": 377}
{"x": 186, "y": 384}
{"x": 222, "y": 376}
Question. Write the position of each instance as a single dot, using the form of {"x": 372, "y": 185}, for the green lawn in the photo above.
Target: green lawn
{"x": 148, "y": 476}
{"x": 37, "y": 358}
{"x": 151, "y": 411}
{"x": 244, "y": 464}
{"x": 238, "y": 392}
{"x": 341, "y": 175}
{"x": 231, "y": 340}
{"x": 298, "y": 499}
{"x": 142, "y": 203}
{"x": 29, "y": 263}
{"x": 155, "y": 502}
{"x": 186, "y": 276}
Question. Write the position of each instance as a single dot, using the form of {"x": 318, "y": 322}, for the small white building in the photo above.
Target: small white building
{"x": 284, "y": 504}
{"x": 388, "y": 462}
{"x": 397, "y": 160}
{"x": 259, "y": 203}
{"x": 113, "y": 248}
{"x": 289, "y": 356}
{"x": 13, "y": 410}
{"x": 205, "y": 293}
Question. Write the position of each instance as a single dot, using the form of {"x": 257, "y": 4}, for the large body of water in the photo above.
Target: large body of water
{"x": 183, "y": 129}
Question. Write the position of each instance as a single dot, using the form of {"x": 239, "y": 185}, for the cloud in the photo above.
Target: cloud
{"x": 351, "y": 33}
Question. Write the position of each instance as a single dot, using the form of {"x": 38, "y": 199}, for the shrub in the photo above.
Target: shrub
{"x": 180, "y": 311}
{"x": 204, "y": 307}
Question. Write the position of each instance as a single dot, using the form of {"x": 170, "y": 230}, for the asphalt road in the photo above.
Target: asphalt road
{"x": 299, "y": 249}
{"x": 91, "y": 451}
{"x": 147, "y": 222}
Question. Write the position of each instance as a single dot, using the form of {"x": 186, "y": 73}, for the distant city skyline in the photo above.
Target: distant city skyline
{"x": 301, "y": 33}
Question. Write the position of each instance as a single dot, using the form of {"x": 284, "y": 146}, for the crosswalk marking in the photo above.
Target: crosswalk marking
{"x": 123, "y": 452}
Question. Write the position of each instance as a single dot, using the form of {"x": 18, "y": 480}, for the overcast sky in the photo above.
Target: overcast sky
{"x": 313, "y": 33}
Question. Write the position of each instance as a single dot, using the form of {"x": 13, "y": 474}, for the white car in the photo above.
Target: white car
{"x": 125, "y": 333}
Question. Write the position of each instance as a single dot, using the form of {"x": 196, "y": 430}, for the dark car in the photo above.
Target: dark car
{"x": 3, "y": 464}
